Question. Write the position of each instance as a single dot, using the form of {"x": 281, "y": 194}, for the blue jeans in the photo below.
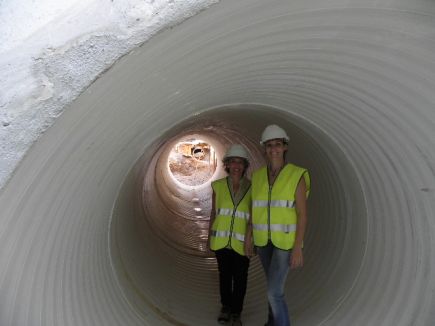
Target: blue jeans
{"x": 276, "y": 266}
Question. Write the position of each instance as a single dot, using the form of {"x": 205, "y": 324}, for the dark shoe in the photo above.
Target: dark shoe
{"x": 235, "y": 318}
{"x": 224, "y": 316}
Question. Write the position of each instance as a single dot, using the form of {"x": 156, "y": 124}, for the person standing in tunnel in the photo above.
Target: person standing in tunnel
{"x": 231, "y": 201}
{"x": 279, "y": 217}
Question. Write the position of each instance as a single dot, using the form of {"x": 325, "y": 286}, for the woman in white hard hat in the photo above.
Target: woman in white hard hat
{"x": 279, "y": 217}
{"x": 229, "y": 217}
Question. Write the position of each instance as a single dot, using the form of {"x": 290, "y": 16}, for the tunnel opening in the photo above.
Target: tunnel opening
{"x": 169, "y": 224}
{"x": 192, "y": 162}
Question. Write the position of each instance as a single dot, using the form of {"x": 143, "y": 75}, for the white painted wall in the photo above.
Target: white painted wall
{"x": 93, "y": 231}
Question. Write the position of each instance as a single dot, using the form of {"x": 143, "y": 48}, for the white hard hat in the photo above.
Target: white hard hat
{"x": 273, "y": 132}
{"x": 236, "y": 150}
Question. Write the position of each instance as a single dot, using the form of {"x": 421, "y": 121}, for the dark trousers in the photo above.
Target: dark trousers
{"x": 233, "y": 278}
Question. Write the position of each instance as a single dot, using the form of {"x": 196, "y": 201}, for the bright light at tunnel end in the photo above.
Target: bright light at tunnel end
{"x": 192, "y": 162}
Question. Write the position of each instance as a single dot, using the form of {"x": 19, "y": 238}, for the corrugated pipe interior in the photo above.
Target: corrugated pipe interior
{"x": 95, "y": 231}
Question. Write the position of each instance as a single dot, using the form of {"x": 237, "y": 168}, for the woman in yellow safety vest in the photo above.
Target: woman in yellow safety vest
{"x": 279, "y": 217}
{"x": 229, "y": 217}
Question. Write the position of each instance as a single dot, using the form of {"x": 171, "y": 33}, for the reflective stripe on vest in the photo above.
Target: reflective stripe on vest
{"x": 229, "y": 225}
{"x": 273, "y": 208}
{"x": 229, "y": 212}
{"x": 274, "y": 203}
{"x": 226, "y": 234}
{"x": 286, "y": 228}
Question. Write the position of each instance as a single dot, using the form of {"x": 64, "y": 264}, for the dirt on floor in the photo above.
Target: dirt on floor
{"x": 190, "y": 171}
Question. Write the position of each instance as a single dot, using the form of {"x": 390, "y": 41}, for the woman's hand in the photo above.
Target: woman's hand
{"x": 296, "y": 258}
{"x": 249, "y": 249}
{"x": 248, "y": 245}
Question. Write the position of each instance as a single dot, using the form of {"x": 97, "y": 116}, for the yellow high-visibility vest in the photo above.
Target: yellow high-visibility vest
{"x": 229, "y": 225}
{"x": 274, "y": 207}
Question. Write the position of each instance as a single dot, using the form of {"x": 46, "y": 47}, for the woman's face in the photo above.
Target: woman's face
{"x": 236, "y": 166}
{"x": 275, "y": 149}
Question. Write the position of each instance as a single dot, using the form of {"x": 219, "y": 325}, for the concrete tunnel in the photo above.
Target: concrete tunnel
{"x": 95, "y": 231}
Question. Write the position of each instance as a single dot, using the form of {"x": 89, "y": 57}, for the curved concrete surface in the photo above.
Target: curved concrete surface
{"x": 94, "y": 231}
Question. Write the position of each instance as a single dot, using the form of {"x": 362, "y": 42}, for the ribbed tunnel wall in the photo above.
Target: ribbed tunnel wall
{"x": 94, "y": 231}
